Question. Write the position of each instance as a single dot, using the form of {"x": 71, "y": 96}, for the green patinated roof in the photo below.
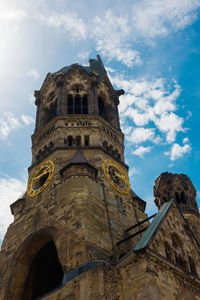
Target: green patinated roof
{"x": 152, "y": 229}
{"x": 95, "y": 65}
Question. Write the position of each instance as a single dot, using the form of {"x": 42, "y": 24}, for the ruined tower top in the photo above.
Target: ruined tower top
{"x": 176, "y": 186}
{"x": 78, "y": 90}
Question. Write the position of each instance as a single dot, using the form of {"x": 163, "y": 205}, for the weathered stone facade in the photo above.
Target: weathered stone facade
{"x": 80, "y": 238}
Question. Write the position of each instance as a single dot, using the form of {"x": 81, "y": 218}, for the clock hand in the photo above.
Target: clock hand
{"x": 38, "y": 177}
{"x": 120, "y": 176}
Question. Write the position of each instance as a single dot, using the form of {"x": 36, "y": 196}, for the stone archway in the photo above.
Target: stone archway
{"x": 26, "y": 261}
{"x": 45, "y": 273}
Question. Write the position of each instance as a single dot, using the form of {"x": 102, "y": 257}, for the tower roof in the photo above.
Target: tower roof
{"x": 77, "y": 159}
{"x": 95, "y": 66}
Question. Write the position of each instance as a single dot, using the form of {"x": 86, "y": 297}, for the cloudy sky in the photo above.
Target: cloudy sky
{"x": 151, "y": 49}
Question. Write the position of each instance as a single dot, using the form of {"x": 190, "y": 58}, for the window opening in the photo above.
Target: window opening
{"x": 101, "y": 107}
{"x": 77, "y": 104}
{"x": 70, "y": 105}
{"x": 177, "y": 198}
{"x": 70, "y": 140}
{"x": 86, "y": 138}
{"x": 85, "y": 104}
{"x": 183, "y": 200}
{"x": 78, "y": 140}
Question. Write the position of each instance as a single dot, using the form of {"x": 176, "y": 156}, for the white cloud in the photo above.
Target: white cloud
{"x": 189, "y": 115}
{"x": 159, "y": 17}
{"x": 31, "y": 98}
{"x": 70, "y": 23}
{"x": 151, "y": 101}
{"x": 178, "y": 151}
{"x": 140, "y": 151}
{"x": 33, "y": 73}
{"x": 9, "y": 122}
{"x": 170, "y": 124}
{"x": 116, "y": 35}
{"x": 82, "y": 56}
{"x": 139, "y": 135}
{"x": 185, "y": 140}
{"x": 9, "y": 13}
{"x": 133, "y": 171}
{"x": 112, "y": 36}
{"x": 11, "y": 189}
{"x": 27, "y": 119}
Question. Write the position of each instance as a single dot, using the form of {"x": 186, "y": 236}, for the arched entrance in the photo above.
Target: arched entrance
{"x": 37, "y": 254}
{"x": 45, "y": 273}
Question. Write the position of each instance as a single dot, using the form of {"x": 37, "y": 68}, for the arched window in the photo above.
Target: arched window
{"x": 78, "y": 140}
{"x": 85, "y": 104}
{"x": 45, "y": 273}
{"x": 178, "y": 251}
{"x": 70, "y": 140}
{"x": 70, "y": 109}
{"x": 77, "y": 104}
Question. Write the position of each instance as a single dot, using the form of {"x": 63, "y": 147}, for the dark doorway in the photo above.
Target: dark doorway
{"x": 45, "y": 273}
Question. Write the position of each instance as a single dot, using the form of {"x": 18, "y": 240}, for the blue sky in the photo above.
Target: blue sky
{"x": 151, "y": 49}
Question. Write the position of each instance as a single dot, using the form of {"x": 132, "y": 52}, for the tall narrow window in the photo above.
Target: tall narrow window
{"x": 78, "y": 140}
{"x": 183, "y": 199}
{"x": 70, "y": 140}
{"x": 86, "y": 139}
{"x": 70, "y": 105}
{"x": 101, "y": 107}
{"x": 77, "y": 104}
{"x": 84, "y": 105}
{"x": 177, "y": 198}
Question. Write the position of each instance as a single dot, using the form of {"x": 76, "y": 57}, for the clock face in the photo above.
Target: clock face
{"x": 116, "y": 176}
{"x": 40, "y": 178}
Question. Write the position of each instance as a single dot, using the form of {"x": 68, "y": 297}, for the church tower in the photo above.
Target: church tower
{"x": 180, "y": 188}
{"x": 78, "y": 204}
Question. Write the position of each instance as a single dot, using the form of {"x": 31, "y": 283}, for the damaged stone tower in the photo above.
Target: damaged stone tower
{"x": 79, "y": 231}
